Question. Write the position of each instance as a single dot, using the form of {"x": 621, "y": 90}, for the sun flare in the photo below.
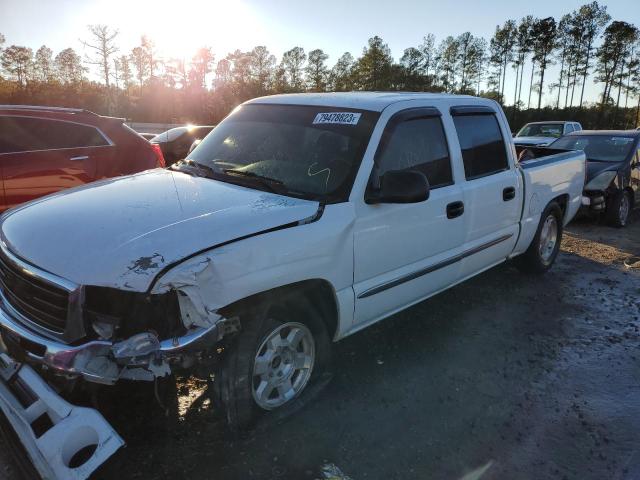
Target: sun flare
{"x": 178, "y": 29}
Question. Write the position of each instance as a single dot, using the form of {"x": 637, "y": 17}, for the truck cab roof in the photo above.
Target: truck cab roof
{"x": 374, "y": 101}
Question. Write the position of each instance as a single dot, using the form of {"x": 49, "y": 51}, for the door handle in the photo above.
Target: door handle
{"x": 81, "y": 157}
{"x": 455, "y": 209}
{"x": 509, "y": 193}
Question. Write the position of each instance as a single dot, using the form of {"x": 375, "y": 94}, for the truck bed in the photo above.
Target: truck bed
{"x": 552, "y": 175}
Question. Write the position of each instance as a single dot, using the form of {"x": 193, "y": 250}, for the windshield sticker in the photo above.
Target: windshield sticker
{"x": 340, "y": 118}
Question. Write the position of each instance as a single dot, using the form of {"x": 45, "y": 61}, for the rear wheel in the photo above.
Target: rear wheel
{"x": 546, "y": 243}
{"x": 618, "y": 209}
{"x": 283, "y": 348}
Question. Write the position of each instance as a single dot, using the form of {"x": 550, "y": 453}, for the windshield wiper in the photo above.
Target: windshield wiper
{"x": 206, "y": 170}
{"x": 272, "y": 184}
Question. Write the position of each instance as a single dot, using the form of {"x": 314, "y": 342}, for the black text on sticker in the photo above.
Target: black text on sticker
{"x": 342, "y": 118}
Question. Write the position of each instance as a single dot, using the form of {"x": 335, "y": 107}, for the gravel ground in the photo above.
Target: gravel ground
{"x": 506, "y": 376}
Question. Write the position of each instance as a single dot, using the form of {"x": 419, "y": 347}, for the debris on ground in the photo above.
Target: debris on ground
{"x": 332, "y": 472}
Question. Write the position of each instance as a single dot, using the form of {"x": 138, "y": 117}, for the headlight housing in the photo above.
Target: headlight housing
{"x": 601, "y": 182}
{"x": 114, "y": 314}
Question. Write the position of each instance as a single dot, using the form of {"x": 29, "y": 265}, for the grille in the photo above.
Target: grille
{"x": 39, "y": 301}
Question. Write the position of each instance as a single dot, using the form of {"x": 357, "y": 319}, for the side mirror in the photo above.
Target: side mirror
{"x": 399, "y": 186}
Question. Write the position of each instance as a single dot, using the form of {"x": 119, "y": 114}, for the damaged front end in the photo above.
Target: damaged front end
{"x": 133, "y": 336}
{"x": 96, "y": 334}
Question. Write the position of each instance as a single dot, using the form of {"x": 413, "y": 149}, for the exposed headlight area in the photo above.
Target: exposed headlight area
{"x": 113, "y": 314}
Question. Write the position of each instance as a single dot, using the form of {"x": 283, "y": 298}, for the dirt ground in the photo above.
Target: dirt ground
{"x": 506, "y": 376}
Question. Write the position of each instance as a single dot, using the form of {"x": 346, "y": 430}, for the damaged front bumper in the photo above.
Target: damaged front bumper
{"x": 62, "y": 441}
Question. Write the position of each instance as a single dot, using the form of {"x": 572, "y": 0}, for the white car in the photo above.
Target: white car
{"x": 299, "y": 220}
{"x": 540, "y": 134}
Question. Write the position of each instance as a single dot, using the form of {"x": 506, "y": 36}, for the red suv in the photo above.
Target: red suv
{"x": 46, "y": 149}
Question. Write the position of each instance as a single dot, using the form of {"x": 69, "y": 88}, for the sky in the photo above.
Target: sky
{"x": 179, "y": 27}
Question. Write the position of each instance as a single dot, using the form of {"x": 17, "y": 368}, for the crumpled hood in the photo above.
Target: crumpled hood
{"x": 533, "y": 140}
{"x": 122, "y": 232}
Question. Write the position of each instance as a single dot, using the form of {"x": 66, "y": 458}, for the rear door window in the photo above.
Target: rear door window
{"x": 418, "y": 144}
{"x": 483, "y": 148}
{"x": 13, "y": 136}
{"x": 24, "y": 134}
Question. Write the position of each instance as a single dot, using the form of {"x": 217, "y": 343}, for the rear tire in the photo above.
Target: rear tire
{"x": 545, "y": 245}
{"x": 619, "y": 209}
{"x": 283, "y": 348}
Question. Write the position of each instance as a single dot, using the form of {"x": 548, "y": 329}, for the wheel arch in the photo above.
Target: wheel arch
{"x": 563, "y": 203}
{"x": 317, "y": 291}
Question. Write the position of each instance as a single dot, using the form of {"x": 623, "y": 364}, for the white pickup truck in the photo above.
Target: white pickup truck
{"x": 539, "y": 134}
{"x": 300, "y": 219}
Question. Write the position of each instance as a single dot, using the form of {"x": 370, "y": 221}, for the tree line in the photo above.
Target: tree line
{"x": 585, "y": 45}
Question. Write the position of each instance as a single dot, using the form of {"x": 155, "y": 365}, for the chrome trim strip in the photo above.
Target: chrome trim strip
{"x": 194, "y": 338}
{"x": 55, "y": 149}
{"x": 432, "y": 268}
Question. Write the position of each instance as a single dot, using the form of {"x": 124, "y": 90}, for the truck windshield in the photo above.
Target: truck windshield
{"x": 305, "y": 151}
{"x": 598, "y": 148}
{"x": 541, "y": 130}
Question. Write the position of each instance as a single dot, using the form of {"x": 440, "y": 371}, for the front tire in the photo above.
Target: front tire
{"x": 545, "y": 245}
{"x": 283, "y": 347}
{"x": 619, "y": 209}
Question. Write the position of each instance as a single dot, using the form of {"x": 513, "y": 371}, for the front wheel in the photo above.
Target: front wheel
{"x": 546, "y": 243}
{"x": 282, "y": 348}
{"x": 618, "y": 209}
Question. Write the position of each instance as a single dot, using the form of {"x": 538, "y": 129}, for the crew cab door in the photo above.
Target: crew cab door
{"x": 403, "y": 252}
{"x": 492, "y": 188}
{"x": 42, "y": 155}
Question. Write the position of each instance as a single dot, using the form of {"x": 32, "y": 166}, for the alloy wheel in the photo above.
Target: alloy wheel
{"x": 548, "y": 239}
{"x": 282, "y": 365}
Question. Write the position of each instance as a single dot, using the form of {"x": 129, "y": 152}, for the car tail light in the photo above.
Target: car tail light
{"x": 158, "y": 153}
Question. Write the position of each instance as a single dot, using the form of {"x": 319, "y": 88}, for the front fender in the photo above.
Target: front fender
{"x": 219, "y": 277}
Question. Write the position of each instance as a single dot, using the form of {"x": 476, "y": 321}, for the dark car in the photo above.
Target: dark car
{"x": 46, "y": 149}
{"x": 613, "y": 170}
{"x": 176, "y": 142}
